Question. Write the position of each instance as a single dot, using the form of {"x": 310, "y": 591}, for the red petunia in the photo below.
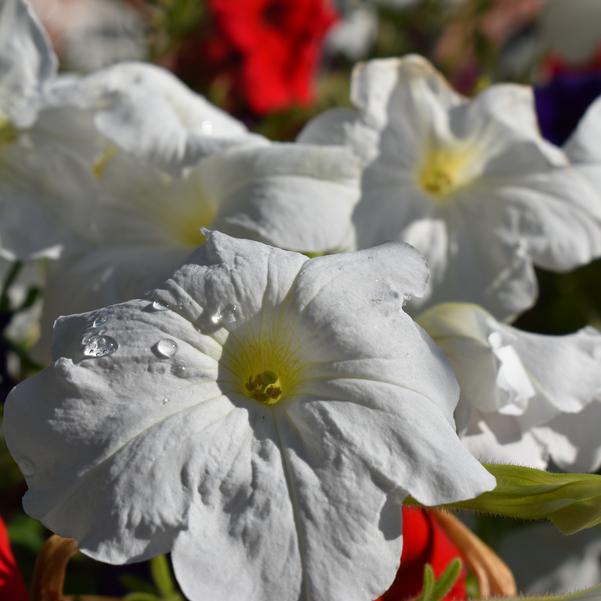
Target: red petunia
{"x": 264, "y": 52}
{"x": 12, "y": 587}
{"x": 424, "y": 541}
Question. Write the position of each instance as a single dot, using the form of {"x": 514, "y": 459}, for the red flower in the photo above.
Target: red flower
{"x": 424, "y": 541}
{"x": 265, "y": 52}
{"x": 12, "y": 587}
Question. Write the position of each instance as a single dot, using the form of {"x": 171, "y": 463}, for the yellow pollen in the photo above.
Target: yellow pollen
{"x": 264, "y": 387}
{"x": 103, "y": 159}
{"x": 445, "y": 169}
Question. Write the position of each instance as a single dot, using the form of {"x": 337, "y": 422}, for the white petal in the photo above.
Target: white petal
{"x": 277, "y": 508}
{"x": 545, "y": 375}
{"x": 496, "y": 438}
{"x": 148, "y": 112}
{"x": 117, "y": 426}
{"x": 381, "y": 421}
{"x": 371, "y": 333}
{"x": 27, "y": 64}
{"x": 380, "y": 87}
{"x": 100, "y": 276}
{"x": 474, "y": 264}
{"x": 292, "y": 196}
{"x": 565, "y": 369}
{"x": 559, "y": 216}
{"x": 572, "y": 440}
{"x": 206, "y": 284}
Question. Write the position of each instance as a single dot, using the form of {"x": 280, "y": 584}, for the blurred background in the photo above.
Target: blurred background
{"x": 276, "y": 63}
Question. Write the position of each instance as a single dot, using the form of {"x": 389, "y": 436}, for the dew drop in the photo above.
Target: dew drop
{"x": 225, "y": 315}
{"x": 100, "y": 346}
{"x": 26, "y": 466}
{"x": 180, "y": 371}
{"x": 164, "y": 401}
{"x": 100, "y": 320}
{"x": 166, "y": 347}
{"x": 156, "y": 306}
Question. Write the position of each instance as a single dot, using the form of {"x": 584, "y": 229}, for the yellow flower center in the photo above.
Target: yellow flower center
{"x": 266, "y": 370}
{"x": 264, "y": 387}
{"x": 444, "y": 169}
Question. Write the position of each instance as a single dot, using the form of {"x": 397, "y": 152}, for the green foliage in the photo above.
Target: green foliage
{"x": 436, "y": 590}
{"x": 163, "y": 583}
{"x": 571, "y": 501}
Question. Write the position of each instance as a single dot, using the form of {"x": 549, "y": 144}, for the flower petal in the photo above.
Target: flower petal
{"x": 148, "y": 112}
{"x": 28, "y": 62}
{"x": 119, "y": 417}
{"x": 292, "y": 196}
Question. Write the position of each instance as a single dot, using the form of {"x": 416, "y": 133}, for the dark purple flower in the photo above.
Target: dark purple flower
{"x": 562, "y": 101}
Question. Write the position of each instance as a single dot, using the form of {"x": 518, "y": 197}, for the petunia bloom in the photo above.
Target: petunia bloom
{"x": 146, "y": 111}
{"x": 471, "y": 184}
{"x": 34, "y": 204}
{"x": 424, "y": 542}
{"x": 293, "y": 196}
{"x": 261, "y": 416}
{"x": 265, "y": 51}
{"x": 12, "y": 587}
{"x": 525, "y": 398}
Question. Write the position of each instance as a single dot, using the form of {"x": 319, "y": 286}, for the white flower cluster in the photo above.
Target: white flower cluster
{"x": 261, "y": 414}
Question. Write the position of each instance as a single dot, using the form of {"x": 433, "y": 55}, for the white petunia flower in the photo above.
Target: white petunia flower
{"x": 262, "y": 417}
{"x": 525, "y": 398}
{"x": 293, "y": 196}
{"x": 146, "y": 111}
{"x": 471, "y": 184}
{"x": 39, "y": 211}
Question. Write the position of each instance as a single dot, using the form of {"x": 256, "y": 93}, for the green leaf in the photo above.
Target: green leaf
{"x": 446, "y": 580}
{"x": 161, "y": 575}
{"x": 135, "y": 584}
{"x": 435, "y": 590}
{"x": 428, "y": 584}
{"x": 571, "y": 501}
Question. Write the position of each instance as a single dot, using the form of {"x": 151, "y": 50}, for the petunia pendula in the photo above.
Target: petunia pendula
{"x": 526, "y": 398}
{"x": 470, "y": 183}
{"x": 261, "y": 415}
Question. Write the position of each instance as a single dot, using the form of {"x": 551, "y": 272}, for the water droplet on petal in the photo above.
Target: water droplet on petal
{"x": 100, "y": 320}
{"x": 166, "y": 347}
{"x": 229, "y": 314}
{"x": 26, "y": 466}
{"x": 100, "y": 346}
{"x": 180, "y": 371}
{"x": 225, "y": 315}
{"x": 156, "y": 306}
